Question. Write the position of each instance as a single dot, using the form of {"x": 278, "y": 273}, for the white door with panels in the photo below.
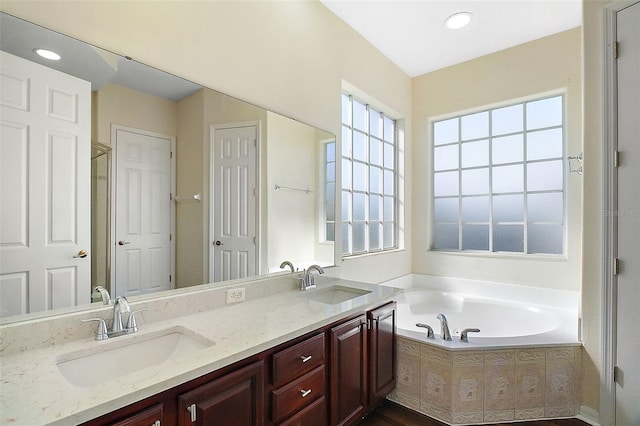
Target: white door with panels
{"x": 627, "y": 359}
{"x": 143, "y": 212}
{"x": 233, "y": 202}
{"x": 45, "y": 185}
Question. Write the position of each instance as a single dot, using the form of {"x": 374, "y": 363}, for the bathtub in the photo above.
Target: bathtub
{"x": 507, "y": 315}
{"x": 524, "y": 364}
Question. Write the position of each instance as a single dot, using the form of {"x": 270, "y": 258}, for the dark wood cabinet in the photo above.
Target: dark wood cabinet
{"x": 382, "y": 353}
{"x": 332, "y": 376}
{"x": 235, "y": 399}
{"x": 151, "y": 416}
{"x": 348, "y": 371}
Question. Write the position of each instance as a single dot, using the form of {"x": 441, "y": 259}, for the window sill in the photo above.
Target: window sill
{"x": 373, "y": 253}
{"x": 504, "y": 255}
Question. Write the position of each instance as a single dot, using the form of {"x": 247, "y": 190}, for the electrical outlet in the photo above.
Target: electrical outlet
{"x": 235, "y": 295}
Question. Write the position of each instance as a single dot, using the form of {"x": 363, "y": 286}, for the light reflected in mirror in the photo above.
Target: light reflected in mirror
{"x": 188, "y": 185}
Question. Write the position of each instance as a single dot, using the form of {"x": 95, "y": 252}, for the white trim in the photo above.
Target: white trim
{"x": 258, "y": 186}
{"x": 172, "y": 218}
{"x": 588, "y": 415}
{"x": 609, "y": 203}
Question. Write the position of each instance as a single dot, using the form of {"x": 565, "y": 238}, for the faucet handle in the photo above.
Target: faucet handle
{"x": 102, "y": 333}
{"x": 463, "y": 335}
{"x": 132, "y": 325}
{"x": 430, "y": 334}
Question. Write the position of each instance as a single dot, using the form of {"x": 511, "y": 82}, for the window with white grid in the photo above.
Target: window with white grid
{"x": 368, "y": 178}
{"x": 498, "y": 179}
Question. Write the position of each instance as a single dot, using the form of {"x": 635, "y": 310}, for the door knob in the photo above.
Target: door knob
{"x": 121, "y": 243}
{"x": 218, "y": 243}
{"x": 81, "y": 254}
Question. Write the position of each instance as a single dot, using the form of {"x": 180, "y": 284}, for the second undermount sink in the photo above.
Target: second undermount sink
{"x": 335, "y": 294}
{"x": 116, "y": 358}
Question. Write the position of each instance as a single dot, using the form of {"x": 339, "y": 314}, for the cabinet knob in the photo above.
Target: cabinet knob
{"x": 192, "y": 410}
{"x": 304, "y": 393}
{"x": 306, "y": 358}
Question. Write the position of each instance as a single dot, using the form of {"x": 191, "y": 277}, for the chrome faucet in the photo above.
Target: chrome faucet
{"x": 308, "y": 280}
{"x": 102, "y": 293}
{"x": 120, "y": 305}
{"x": 444, "y": 327}
{"x": 464, "y": 335}
{"x": 287, "y": 263}
{"x": 430, "y": 334}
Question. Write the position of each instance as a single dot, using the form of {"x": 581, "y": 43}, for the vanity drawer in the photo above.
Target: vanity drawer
{"x": 297, "y": 394}
{"x": 315, "y": 414}
{"x": 298, "y": 359}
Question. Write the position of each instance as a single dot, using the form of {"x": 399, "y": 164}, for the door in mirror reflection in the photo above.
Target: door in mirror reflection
{"x": 234, "y": 202}
{"x": 143, "y": 261}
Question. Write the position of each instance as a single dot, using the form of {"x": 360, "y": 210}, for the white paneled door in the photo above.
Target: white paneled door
{"x": 143, "y": 218}
{"x": 45, "y": 209}
{"x": 628, "y": 218}
{"x": 234, "y": 202}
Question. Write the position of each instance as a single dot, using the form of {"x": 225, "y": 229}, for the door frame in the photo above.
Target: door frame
{"x": 609, "y": 280}
{"x": 258, "y": 191}
{"x": 114, "y": 199}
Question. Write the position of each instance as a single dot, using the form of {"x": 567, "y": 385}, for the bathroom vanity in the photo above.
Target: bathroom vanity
{"x": 332, "y": 375}
{"x": 282, "y": 357}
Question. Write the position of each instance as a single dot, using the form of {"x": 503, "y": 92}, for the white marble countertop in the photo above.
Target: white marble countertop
{"x": 33, "y": 391}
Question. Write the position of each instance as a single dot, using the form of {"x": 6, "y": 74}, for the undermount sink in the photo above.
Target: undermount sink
{"x": 335, "y": 294}
{"x": 121, "y": 356}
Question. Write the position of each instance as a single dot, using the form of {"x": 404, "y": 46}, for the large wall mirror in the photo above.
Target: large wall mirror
{"x": 183, "y": 185}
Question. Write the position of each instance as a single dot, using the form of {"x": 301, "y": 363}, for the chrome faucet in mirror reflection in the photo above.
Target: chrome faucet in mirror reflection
{"x": 289, "y": 264}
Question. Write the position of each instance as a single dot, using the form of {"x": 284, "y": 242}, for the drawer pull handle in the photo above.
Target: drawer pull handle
{"x": 192, "y": 409}
{"x": 305, "y": 358}
{"x": 304, "y": 393}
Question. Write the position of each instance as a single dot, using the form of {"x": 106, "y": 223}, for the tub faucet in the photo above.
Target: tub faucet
{"x": 444, "y": 327}
{"x": 430, "y": 334}
{"x": 287, "y": 263}
{"x": 308, "y": 279}
{"x": 465, "y": 332}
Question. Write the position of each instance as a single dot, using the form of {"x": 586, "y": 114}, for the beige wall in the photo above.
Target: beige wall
{"x": 548, "y": 64}
{"x": 291, "y": 158}
{"x": 114, "y": 104}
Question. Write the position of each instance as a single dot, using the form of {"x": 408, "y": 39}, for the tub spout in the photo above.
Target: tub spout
{"x": 444, "y": 327}
{"x": 430, "y": 334}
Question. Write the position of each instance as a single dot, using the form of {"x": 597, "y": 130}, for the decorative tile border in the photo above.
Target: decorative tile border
{"x": 488, "y": 386}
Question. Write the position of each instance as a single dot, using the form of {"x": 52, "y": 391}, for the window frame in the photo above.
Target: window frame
{"x": 524, "y": 192}
{"x": 349, "y": 221}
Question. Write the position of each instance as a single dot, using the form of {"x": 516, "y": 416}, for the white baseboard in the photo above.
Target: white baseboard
{"x": 589, "y": 415}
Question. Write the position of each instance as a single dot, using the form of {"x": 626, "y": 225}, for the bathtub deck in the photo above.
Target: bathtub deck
{"x": 392, "y": 414}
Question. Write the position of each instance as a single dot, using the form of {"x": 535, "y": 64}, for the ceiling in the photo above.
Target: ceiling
{"x": 412, "y": 34}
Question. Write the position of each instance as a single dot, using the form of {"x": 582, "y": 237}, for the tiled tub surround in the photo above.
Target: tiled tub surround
{"x": 526, "y": 373}
{"x": 33, "y": 392}
{"x": 488, "y": 386}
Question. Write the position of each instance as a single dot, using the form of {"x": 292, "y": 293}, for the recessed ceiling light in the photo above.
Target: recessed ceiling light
{"x": 48, "y": 54}
{"x": 458, "y": 20}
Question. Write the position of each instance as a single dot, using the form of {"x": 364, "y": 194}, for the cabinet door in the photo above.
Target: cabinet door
{"x": 235, "y": 399}
{"x": 150, "y": 417}
{"x": 382, "y": 343}
{"x": 348, "y": 371}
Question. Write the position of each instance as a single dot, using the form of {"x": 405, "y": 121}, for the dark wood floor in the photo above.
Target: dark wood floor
{"x": 391, "y": 414}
